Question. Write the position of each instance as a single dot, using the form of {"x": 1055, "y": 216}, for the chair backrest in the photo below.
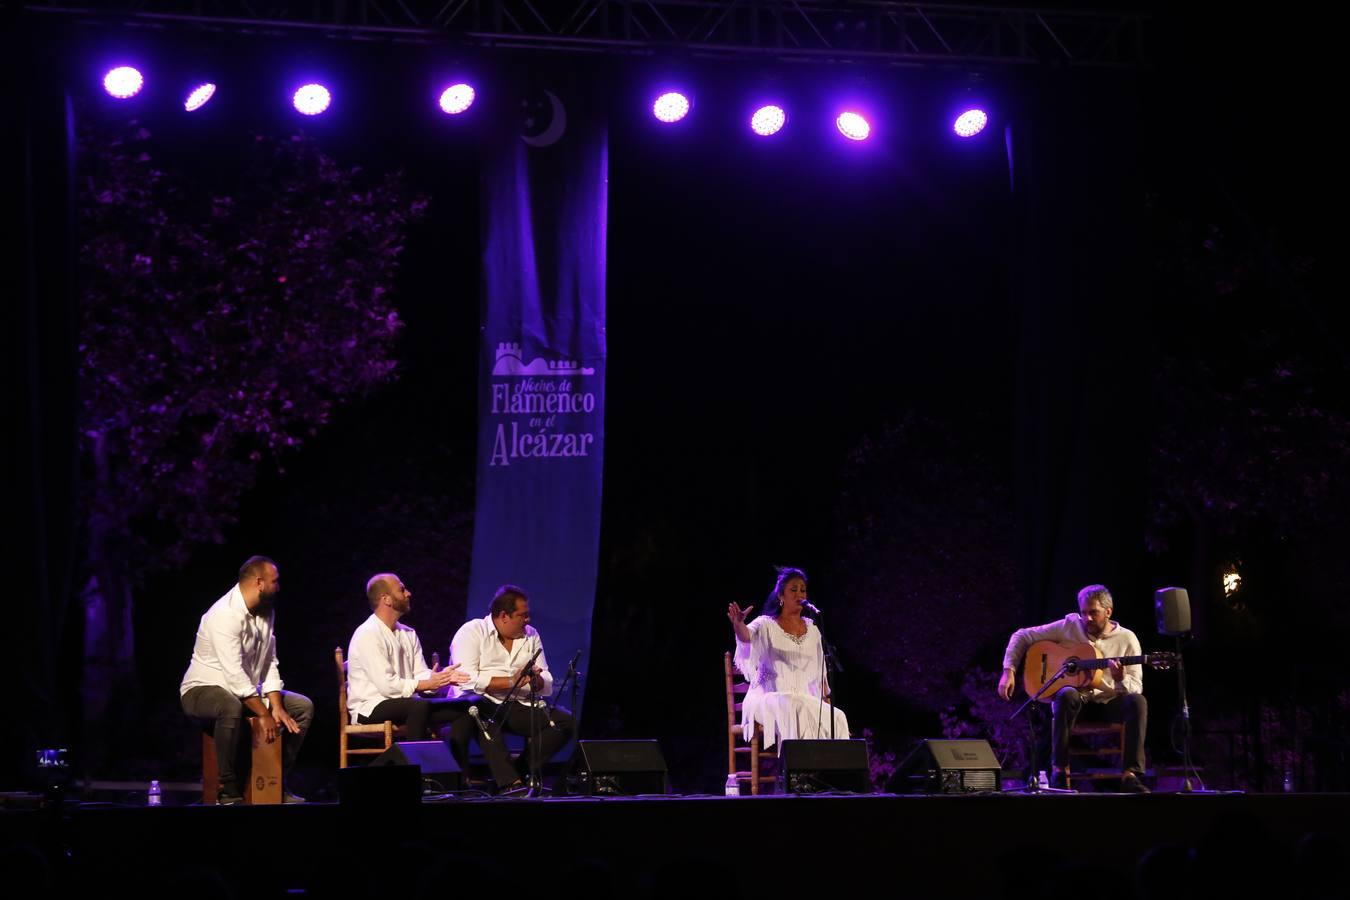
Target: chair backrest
{"x": 734, "y": 689}
{"x": 343, "y": 716}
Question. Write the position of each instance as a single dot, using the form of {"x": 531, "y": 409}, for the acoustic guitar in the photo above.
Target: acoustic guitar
{"x": 1084, "y": 667}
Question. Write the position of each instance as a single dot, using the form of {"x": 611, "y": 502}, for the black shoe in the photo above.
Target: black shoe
{"x": 1060, "y": 781}
{"x": 515, "y": 789}
{"x": 1130, "y": 784}
{"x": 288, "y": 797}
{"x": 228, "y": 796}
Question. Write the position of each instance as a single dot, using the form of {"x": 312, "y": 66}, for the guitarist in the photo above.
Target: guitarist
{"x": 1122, "y": 700}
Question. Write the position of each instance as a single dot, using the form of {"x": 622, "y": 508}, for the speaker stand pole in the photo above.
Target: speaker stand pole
{"x": 1182, "y": 723}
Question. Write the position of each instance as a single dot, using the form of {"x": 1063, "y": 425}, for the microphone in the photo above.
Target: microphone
{"x": 473, "y": 711}
{"x": 811, "y": 608}
{"x": 572, "y": 666}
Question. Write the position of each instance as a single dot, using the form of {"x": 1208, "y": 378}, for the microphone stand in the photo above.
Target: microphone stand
{"x": 1033, "y": 786}
{"x": 510, "y": 696}
{"x": 520, "y": 679}
{"x": 572, "y": 675}
{"x": 829, "y": 666}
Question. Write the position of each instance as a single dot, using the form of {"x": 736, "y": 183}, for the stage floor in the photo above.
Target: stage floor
{"x": 986, "y": 845}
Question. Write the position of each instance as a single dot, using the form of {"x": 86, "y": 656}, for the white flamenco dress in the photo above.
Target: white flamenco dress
{"x": 785, "y": 693}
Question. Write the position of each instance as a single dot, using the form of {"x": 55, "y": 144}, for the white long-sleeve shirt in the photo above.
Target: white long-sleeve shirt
{"x": 1116, "y": 640}
{"x": 235, "y": 650}
{"x": 482, "y": 656}
{"x": 383, "y": 663}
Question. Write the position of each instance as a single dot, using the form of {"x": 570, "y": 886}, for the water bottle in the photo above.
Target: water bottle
{"x": 1288, "y": 781}
{"x": 1041, "y": 781}
{"x": 733, "y": 786}
{"x": 154, "y": 795}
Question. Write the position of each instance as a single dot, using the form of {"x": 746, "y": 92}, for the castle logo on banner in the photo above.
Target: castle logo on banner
{"x": 542, "y": 409}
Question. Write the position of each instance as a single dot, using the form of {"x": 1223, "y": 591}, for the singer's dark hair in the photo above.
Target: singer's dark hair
{"x": 774, "y": 605}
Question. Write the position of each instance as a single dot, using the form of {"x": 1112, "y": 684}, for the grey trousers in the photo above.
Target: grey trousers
{"x": 220, "y": 713}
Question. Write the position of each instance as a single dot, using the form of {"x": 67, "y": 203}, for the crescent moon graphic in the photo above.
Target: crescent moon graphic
{"x": 556, "y": 126}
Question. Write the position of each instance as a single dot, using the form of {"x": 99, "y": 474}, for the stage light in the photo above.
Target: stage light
{"x": 123, "y": 82}
{"x": 768, "y": 120}
{"x": 970, "y": 123}
{"x": 312, "y": 99}
{"x": 671, "y": 107}
{"x": 853, "y": 126}
{"x": 456, "y": 99}
{"x": 199, "y": 97}
{"x": 1232, "y": 581}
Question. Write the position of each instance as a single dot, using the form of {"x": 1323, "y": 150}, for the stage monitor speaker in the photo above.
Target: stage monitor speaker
{"x": 1172, "y": 606}
{"x": 949, "y": 767}
{"x": 814, "y": 767}
{"x": 439, "y": 770}
{"x": 617, "y": 768}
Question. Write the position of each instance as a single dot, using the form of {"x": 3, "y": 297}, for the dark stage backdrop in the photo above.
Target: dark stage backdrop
{"x": 793, "y": 328}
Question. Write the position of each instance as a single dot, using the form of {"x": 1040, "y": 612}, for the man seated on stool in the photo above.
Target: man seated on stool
{"x": 388, "y": 678}
{"x": 234, "y": 673}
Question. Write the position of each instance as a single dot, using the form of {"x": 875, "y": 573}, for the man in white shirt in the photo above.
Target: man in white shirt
{"x": 234, "y": 673}
{"x": 1121, "y": 700}
{"x": 388, "y": 677}
{"x": 493, "y": 652}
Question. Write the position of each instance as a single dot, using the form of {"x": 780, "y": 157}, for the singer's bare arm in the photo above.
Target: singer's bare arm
{"x": 737, "y": 617}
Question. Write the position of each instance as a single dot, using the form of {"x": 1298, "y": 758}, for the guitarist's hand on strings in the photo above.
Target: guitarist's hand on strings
{"x": 1007, "y": 683}
{"x": 1117, "y": 671}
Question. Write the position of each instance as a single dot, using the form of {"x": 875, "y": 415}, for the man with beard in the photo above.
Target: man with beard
{"x": 1122, "y": 698}
{"x": 234, "y": 673}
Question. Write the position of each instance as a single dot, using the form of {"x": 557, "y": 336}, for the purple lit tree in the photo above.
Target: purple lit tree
{"x": 1252, "y": 426}
{"x": 1251, "y": 440}
{"x": 220, "y": 328}
{"x": 928, "y": 563}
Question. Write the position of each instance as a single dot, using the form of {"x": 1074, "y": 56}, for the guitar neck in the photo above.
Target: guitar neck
{"x": 1104, "y": 663}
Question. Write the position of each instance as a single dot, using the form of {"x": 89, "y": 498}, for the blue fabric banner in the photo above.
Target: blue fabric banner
{"x": 542, "y": 375}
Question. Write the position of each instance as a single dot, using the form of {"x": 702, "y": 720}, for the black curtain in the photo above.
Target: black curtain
{"x": 1083, "y": 367}
{"x": 41, "y": 329}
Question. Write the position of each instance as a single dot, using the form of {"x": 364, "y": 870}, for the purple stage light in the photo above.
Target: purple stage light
{"x": 456, "y": 98}
{"x": 671, "y": 107}
{"x": 199, "y": 97}
{"x": 970, "y": 123}
{"x": 768, "y": 120}
{"x": 853, "y": 126}
{"x": 123, "y": 82}
{"x": 312, "y": 99}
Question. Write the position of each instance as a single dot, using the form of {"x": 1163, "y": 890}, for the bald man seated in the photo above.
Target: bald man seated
{"x": 388, "y": 678}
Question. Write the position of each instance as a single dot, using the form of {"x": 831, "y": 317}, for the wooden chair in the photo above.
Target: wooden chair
{"x": 386, "y": 730}
{"x": 736, "y": 743}
{"x": 1103, "y": 743}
